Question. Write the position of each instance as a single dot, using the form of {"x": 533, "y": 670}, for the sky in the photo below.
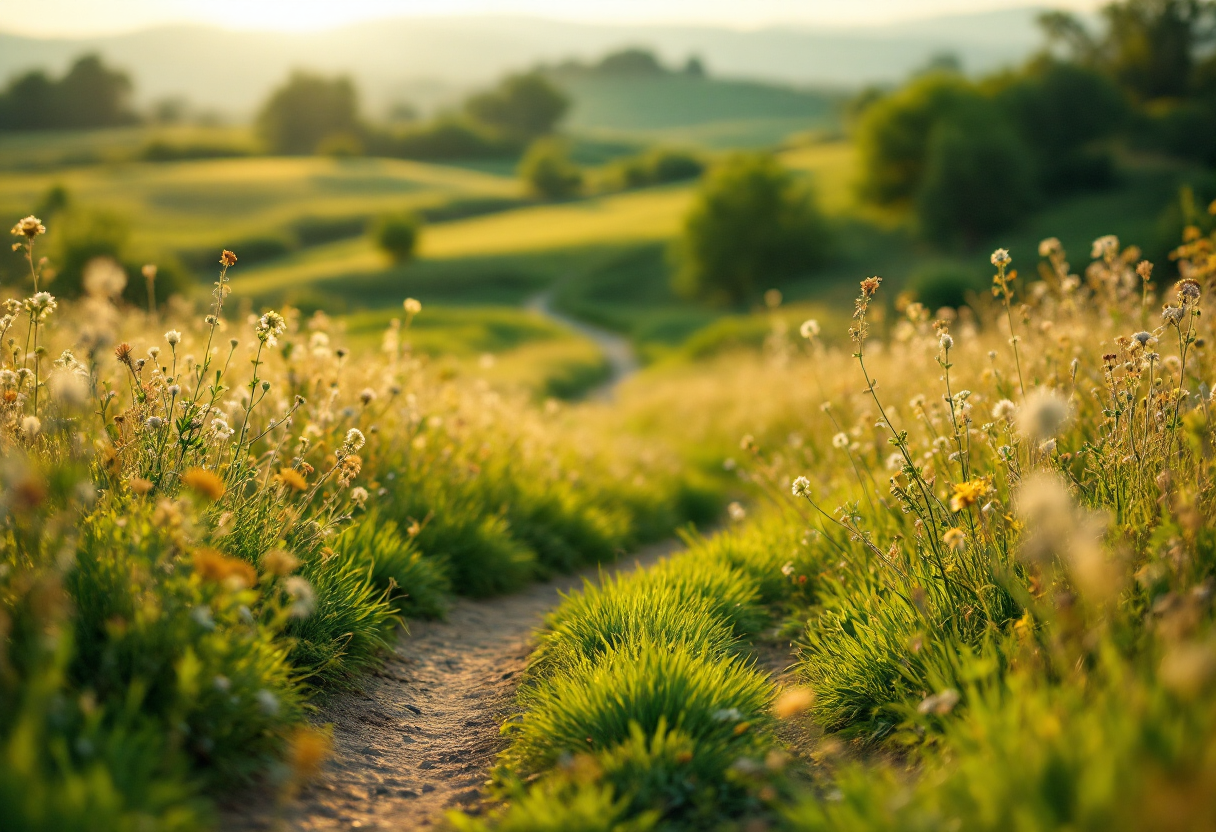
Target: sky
{"x": 70, "y": 18}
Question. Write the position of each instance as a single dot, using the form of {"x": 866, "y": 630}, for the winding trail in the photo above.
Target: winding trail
{"x": 617, "y": 349}
{"x": 420, "y": 735}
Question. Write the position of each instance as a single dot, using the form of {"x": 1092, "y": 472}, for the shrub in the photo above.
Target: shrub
{"x": 548, "y": 171}
{"x": 307, "y": 110}
{"x": 397, "y": 235}
{"x": 752, "y": 225}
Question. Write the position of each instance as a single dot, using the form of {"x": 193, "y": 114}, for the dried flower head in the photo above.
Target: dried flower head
{"x": 30, "y": 227}
{"x": 173, "y": 337}
{"x": 1050, "y": 246}
{"x": 1004, "y": 410}
{"x": 227, "y": 258}
{"x": 1001, "y": 258}
{"x": 1044, "y": 413}
{"x": 1105, "y": 248}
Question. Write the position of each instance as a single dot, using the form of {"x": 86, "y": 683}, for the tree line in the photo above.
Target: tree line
{"x": 88, "y": 95}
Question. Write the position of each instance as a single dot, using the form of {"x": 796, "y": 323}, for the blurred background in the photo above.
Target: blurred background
{"x": 570, "y": 192}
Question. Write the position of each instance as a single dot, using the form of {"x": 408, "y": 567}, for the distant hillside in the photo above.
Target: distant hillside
{"x": 430, "y": 61}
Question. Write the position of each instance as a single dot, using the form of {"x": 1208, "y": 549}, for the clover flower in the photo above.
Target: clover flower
{"x": 173, "y": 337}
{"x": 801, "y": 487}
{"x": 41, "y": 305}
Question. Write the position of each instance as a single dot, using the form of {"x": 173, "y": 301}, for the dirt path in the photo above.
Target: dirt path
{"x": 421, "y": 734}
{"x": 617, "y": 349}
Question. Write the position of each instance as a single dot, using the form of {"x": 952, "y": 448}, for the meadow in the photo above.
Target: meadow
{"x": 945, "y": 515}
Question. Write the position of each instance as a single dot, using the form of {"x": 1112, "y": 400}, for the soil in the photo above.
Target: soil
{"x": 421, "y": 734}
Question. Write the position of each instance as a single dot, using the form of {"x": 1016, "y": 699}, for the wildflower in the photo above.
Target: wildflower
{"x": 221, "y": 431}
{"x": 801, "y": 487}
{"x": 303, "y": 599}
{"x": 213, "y": 565}
{"x": 1188, "y": 669}
{"x": 227, "y": 258}
{"x": 1001, "y": 257}
{"x": 123, "y": 353}
{"x": 280, "y": 562}
{"x": 869, "y": 286}
{"x": 358, "y": 496}
{"x": 40, "y": 305}
{"x": 939, "y": 703}
{"x": 1105, "y": 248}
{"x": 269, "y": 327}
{"x": 205, "y": 483}
{"x": 809, "y": 329}
{"x": 153, "y": 422}
{"x": 793, "y": 702}
{"x": 1050, "y": 246}
{"x": 736, "y": 512}
{"x": 895, "y": 461}
{"x": 353, "y": 442}
{"x": 293, "y": 479}
{"x": 1043, "y": 415}
{"x": 349, "y": 468}
{"x": 104, "y": 278}
{"x": 840, "y": 440}
{"x": 173, "y": 337}
{"x": 267, "y": 701}
{"x": 307, "y": 749}
{"x": 30, "y": 227}
{"x": 1004, "y": 410}
{"x": 1188, "y": 291}
{"x": 1143, "y": 339}
{"x": 967, "y": 494}
{"x": 954, "y": 538}
{"x": 148, "y": 270}
{"x": 788, "y": 569}
{"x": 30, "y": 427}
{"x": 947, "y": 342}
{"x": 202, "y": 617}
{"x": 412, "y": 307}
{"x": 367, "y": 396}
{"x": 140, "y": 486}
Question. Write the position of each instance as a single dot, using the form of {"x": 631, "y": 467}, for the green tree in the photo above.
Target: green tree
{"x": 751, "y": 225}
{"x": 306, "y": 111}
{"x": 978, "y": 178}
{"x": 893, "y": 135}
{"x": 547, "y": 169}
{"x": 521, "y": 107}
{"x": 397, "y": 235}
{"x": 90, "y": 95}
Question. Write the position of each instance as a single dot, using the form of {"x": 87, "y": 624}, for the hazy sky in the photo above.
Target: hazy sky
{"x": 86, "y": 17}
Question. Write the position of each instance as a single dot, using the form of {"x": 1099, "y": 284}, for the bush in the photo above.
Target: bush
{"x": 397, "y": 236}
{"x": 655, "y": 167}
{"x": 521, "y": 107}
{"x": 752, "y": 225}
{"x": 306, "y": 111}
{"x": 945, "y": 284}
{"x": 548, "y": 171}
{"x": 978, "y": 179}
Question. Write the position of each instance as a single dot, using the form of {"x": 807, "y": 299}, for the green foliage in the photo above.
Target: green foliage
{"x": 307, "y": 110}
{"x": 416, "y": 586}
{"x": 547, "y": 169}
{"x": 654, "y": 167}
{"x": 445, "y": 138}
{"x": 397, "y": 235}
{"x": 521, "y": 107}
{"x": 944, "y": 284}
{"x": 753, "y": 224}
{"x": 89, "y": 95}
{"x": 978, "y": 178}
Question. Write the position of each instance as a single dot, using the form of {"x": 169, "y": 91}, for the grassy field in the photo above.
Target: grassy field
{"x": 705, "y": 112}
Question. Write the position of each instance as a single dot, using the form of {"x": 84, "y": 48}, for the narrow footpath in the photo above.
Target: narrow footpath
{"x": 420, "y": 735}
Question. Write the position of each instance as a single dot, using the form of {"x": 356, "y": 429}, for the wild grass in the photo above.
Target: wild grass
{"x": 202, "y": 529}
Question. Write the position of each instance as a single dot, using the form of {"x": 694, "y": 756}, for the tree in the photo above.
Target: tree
{"x": 752, "y": 224}
{"x": 978, "y": 178}
{"x": 893, "y": 135}
{"x": 632, "y": 61}
{"x": 547, "y": 169}
{"x": 521, "y": 107}
{"x": 307, "y": 110}
{"x": 90, "y": 95}
{"x": 397, "y": 235}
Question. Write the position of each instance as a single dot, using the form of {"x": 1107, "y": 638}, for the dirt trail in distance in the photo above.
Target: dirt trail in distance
{"x": 420, "y": 735}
